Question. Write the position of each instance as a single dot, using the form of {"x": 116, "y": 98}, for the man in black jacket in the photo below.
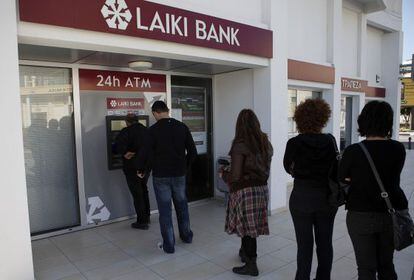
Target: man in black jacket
{"x": 130, "y": 144}
{"x": 173, "y": 150}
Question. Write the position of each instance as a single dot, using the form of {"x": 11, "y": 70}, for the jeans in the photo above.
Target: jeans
{"x": 139, "y": 191}
{"x": 372, "y": 237}
{"x": 312, "y": 222}
{"x": 166, "y": 189}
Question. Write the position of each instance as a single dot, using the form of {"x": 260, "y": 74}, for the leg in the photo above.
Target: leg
{"x": 146, "y": 202}
{"x": 163, "y": 194}
{"x": 385, "y": 255}
{"x": 250, "y": 248}
{"x": 324, "y": 225}
{"x": 133, "y": 185}
{"x": 181, "y": 209}
{"x": 303, "y": 224}
{"x": 360, "y": 228}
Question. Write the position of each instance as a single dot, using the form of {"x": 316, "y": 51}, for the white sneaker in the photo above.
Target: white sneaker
{"x": 159, "y": 246}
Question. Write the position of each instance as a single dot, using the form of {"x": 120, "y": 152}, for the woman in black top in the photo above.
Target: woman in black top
{"x": 308, "y": 158}
{"x": 369, "y": 224}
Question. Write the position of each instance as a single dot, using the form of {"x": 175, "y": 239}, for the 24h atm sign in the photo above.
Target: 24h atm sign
{"x": 149, "y": 20}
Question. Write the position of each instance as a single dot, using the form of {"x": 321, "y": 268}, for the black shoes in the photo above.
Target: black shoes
{"x": 250, "y": 268}
{"x": 140, "y": 226}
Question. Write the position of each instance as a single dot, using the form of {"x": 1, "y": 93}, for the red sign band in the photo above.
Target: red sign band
{"x": 121, "y": 81}
{"x": 149, "y": 20}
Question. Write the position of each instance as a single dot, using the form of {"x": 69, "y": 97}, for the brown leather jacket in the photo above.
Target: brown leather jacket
{"x": 247, "y": 169}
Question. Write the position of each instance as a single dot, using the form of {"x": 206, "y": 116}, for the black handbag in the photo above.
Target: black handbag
{"x": 402, "y": 222}
{"x": 338, "y": 190}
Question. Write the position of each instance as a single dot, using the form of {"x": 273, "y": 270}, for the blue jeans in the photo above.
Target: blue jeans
{"x": 166, "y": 189}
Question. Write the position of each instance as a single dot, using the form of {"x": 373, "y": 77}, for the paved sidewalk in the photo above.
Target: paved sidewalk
{"x": 118, "y": 252}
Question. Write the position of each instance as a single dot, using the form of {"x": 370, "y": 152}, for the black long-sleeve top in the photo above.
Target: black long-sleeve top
{"x": 364, "y": 192}
{"x": 171, "y": 148}
{"x": 308, "y": 158}
{"x": 133, "y": 139}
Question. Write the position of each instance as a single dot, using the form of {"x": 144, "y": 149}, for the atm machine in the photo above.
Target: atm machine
{"x": 114, "y": 125}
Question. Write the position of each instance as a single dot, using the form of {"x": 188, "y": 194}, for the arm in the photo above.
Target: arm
{"x": 235, "y": 174}
{"x": 144, "y": 151}
{"x": 288, "y": 159}
{"x": 345, "y": 167}
{"x": 190, "y": 147}
{"x": 121, "y": 142}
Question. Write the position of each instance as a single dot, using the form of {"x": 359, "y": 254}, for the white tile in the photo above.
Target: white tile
{"x": 43, "y": 264}
{"x": 102, "y": 260}
{"x": 344, "y": 269}
{"x": 114, "y": 270}
{"x": 286, "y": 254}
{"x": 77, "y": 254}
{"x": 56, "y": 272}
{"x": 81, "y": 239}
{"x": 76, "y": 276}
{"x": 150, "y": 254}
{"x": 142, "y": 274}
{"x": 177, "y": 264}
{"x": 44, "y": 249}
{"x": 216, "y": 249}
{"x": 202, "y": 271}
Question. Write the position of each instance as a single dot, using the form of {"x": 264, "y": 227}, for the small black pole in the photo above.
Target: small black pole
{"x": 409, "y": 143}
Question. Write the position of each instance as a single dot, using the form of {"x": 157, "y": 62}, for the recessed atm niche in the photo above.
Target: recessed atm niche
{"x": 106, "y": 97}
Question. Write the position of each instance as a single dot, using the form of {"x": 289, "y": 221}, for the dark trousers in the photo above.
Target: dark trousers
{"x": 249, "y": 246}
{"x": 139, "y": 191}
{"x": 372, "y": 238}
{"x": 313, "y": 222}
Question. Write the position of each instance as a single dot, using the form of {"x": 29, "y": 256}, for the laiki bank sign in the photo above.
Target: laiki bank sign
{"x": 149, "y": 20}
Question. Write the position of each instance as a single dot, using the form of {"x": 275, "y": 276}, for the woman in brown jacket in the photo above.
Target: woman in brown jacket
{"x": 251, "y": 154}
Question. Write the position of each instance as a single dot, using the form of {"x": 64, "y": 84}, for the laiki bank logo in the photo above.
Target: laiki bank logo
{"x": 116, "y": 14}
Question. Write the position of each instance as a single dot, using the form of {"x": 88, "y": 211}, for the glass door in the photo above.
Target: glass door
{"x": 191, "y": 105}
{"x": 49, "y": 148}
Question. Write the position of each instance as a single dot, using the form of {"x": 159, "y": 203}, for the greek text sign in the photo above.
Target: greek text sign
{"x": 353, "y": 85}
{"x": 121, "y": 81}
{"x": 149, "y": 20}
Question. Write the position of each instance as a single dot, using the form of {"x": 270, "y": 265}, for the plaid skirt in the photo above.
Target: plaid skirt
{"x": 246, "y": 213}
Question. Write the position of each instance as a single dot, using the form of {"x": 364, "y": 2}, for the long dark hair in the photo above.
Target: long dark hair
{"x": 249, "y": 132}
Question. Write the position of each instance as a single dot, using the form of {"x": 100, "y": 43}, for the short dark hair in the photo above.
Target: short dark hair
{"x": 131, "y": 118}
{"x": 312, "y": 115}
{"x": 376, "y": 120}
{"x": 160, "y": 107}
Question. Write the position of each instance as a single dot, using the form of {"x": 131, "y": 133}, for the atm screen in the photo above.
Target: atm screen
{"x": 114, "y": 125}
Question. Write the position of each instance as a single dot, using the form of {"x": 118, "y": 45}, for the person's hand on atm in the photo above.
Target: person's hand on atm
{"x": 129, "y": 155}
{"x": 141, "y": 174}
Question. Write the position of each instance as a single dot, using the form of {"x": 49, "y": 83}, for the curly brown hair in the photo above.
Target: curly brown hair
{"x": 312, "y": 115}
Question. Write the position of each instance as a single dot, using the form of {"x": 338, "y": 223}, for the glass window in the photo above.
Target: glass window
{"x": 295, "y": 98}
{"x": 49, "y": 149}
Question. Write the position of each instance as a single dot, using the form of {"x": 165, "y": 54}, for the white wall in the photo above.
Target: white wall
{"x": 244, "y": 11}
{"x": 232, "y": 92}
{"x": 374, "y": 55}
{"x": 307, "y": 25}
{"x": 15, "y": 246}
{"x": 349, "y": 43}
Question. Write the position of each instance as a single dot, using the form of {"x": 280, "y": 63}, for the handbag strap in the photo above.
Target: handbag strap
{"x": 384, "y": 193}
{"x": 338, "y": 153}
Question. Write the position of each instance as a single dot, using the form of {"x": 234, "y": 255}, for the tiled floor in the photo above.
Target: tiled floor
{"x": 118, "y": 252}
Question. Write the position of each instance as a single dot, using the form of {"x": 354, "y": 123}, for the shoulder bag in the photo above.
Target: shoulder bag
{"x": 402, "y": 222}
{"x": 338, "y": 190}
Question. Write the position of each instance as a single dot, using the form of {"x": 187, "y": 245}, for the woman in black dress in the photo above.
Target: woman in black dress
{"x": 369, "y": 224}
{"x": 308, "y": 158}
